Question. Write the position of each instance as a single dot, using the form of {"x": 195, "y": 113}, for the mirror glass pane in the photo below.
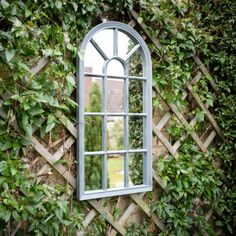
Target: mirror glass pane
{"x": 125, "y": 43}
{"x": 135, "y": 96}
{"x": 93, "y": 133}
{"x": 93, "y": 94}
{"x": 135, "y": 66}
{"x": 135, "y": 169}
{"x": 93, "y": 62}
{"x": 114, "y": 67}
{"x": 93, "y": 172}
{"x": 104, "y": 39}
{"x": 135, "y": 132}
{"x": 115, "y": 95}
{"x": 115, "y": 133}
{"x": 115, "y": 171}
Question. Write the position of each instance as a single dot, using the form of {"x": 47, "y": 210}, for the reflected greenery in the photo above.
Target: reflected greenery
{"x": 93, "y": 141}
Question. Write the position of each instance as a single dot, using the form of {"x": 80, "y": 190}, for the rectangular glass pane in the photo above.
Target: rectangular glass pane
{"x": 115, "y": 171}
{"x": 115, "y": 95}
{"x": 115, "y": 133}
{"x": 93, "y": 133}
{"x": 135, "y": 132}
{"x": 135, "y": 96}
{"x": 135, "y": 64}
{"x": 93, "y": 94}
{"x": 93, "y": 172}
{"x": 135, "y": 169}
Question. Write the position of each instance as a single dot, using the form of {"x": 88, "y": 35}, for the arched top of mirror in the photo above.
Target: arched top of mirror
{"x": 111, "y": 40}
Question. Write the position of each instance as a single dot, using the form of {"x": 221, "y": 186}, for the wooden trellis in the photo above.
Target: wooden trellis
{"x": 137, "y": 200}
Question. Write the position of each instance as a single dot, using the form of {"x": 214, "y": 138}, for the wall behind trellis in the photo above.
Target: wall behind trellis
{"x": 46, "y": 154}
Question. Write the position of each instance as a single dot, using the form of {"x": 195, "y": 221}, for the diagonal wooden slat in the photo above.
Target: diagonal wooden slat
{"x": 208, "y": 114}
{"x": 157, "y": 43}
{"x": 147, "y": 211}
{"x": 164, "y": 140}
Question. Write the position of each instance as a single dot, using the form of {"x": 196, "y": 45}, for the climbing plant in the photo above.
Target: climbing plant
{"x": 52, "y": 30}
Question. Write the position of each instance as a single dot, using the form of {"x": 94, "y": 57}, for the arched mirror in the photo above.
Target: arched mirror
{"x": 114, "y": 144}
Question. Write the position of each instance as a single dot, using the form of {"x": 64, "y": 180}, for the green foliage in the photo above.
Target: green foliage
{"x": 218, "y": 18}
{"x": 93, "y": 140}
{"x": 53, "y": 29}
{"x": 192, "y": 185}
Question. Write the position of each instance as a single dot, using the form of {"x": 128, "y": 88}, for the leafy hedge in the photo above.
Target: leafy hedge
{"x": 34, "y": 29}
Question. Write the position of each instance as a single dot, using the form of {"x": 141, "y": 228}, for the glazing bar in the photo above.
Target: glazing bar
{"x": 114, "y": 76}
{"x": 115, "y": 42}
{"x": 104, "y": 56}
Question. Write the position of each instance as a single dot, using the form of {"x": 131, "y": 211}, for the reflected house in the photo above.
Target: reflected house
{"x": 115, "y": 129}
{"x": 115, "y": 125}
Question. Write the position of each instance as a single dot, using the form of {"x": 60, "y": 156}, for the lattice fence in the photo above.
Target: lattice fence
{"x": 46, "y": 154}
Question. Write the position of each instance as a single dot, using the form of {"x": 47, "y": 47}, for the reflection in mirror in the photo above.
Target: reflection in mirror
{"x": 135, "y": 96}
{"x": 135, "y": 169}
{"x": 93, "y": 133}
{"x": 135, "y": 132}
{"x": 114, "y": 67}
{"x": 115, "y": 171}
{"x": 115, "y": 132}
{"x": 115, "y": 95}
{"x": 135, "y": 65}
{"x": 93, "y": 62}
{"x": 93, "y": 172}
{"x": 125, "y": 45}
{"x": 104, "y": 39}
{"x": 93, "y": 94}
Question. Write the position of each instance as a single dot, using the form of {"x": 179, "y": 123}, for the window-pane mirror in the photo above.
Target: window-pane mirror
{"x": 114, "y": 113}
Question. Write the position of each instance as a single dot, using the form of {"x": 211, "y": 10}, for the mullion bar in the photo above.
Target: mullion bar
{"x": 145, "y": 133}
{"x": 93, "y": 153}
{"x": 115, "y": 42}
{"x": 133, "y": 50}
{"x": 113, "y": 114}
{"x": 126, "y": 132}
{"x": 104, "y": 134}
{"x": 114, "y": 76}
{"x": 103, "y": 54}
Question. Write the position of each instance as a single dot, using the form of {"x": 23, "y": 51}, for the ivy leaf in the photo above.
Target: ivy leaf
{"x": 2, "y": 165}
{"x": 4, "y": 213}
{"x": 4, "y": 4}
{"x": 10, "y": 53}
{"x": 140, "y": 20}
{"x": 70, "y": 79}
{"x": 75, "y": 6}
{"x": 28, "y": 129}
{"x": 50, "y": 123}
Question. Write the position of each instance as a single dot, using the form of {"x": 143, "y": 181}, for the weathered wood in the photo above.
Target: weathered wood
{"x": 164, "y": 140}
{"x": 154, "y": 40}
{"x": 188, "y": 127}
{"x": 67, "y": 123}
{"x": 197, "y": 77}
{"x": 201, "y": 105}
{"x": 50, "y": 159}
{"x": 147, "y": 211}
{"x": 40, "y": 65}
{"x": 163, "y": 121}
{"x": 157, "y": 43}
{"x": 158, "y": 179}
{"x": 210, "y": 138}
{"x": 124, "y": 217}
{"x": 63, "y": 148}
{"x": 88, "y": 219}
{"x": 206, "y": 73}
{"x": 109, "y": 217}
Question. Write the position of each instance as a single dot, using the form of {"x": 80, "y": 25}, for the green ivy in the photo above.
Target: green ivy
{"x": 53, "y": 29}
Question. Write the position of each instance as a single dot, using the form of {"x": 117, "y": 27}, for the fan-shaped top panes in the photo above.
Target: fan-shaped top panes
{"x": 114, "y": 96}
{"x": 108, "y": 44}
